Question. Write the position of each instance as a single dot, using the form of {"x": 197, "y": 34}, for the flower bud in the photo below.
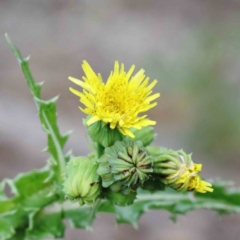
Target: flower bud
{"x": 101, "y": 133}
{"x": 125, "y": 164}
{"x": 146, "y": 135}
{"x": 177, "y": 170}
{"x": 82, "y": 181}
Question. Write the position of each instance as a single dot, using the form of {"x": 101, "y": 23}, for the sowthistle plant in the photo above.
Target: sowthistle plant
{"x": 124, "y": 175}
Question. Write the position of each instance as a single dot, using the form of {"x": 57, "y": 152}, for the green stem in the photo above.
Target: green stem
{"x": 100, "y": 150}
{"x": 93, "y": 212}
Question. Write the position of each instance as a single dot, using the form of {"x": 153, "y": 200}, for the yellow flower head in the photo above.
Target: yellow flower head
{"x": 189, "y": 179}
{"x": 119, "y": 101}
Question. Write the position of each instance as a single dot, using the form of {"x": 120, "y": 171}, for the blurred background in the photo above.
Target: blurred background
{"x": 191, "y": 47}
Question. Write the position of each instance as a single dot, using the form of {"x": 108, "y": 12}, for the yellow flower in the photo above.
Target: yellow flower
{"x": 177, "y": 170}
{"x": 199, "y": 185}
{"x": 119, "y": 101}
{"x": 189, "y": 179}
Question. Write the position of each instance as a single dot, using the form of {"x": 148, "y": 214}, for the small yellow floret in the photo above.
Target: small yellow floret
{"x": 119, "y": 101}
{"x": 189, "y": 179}
{"x": 200, "y": 185}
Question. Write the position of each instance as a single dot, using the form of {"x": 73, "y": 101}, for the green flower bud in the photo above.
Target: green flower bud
{"x": 177, "y": 170}
{"x": 82, "y": 181}
{"x": 101, "y": 133}
{"x": 125, "y": 164}
{"x": 146, "y": 135}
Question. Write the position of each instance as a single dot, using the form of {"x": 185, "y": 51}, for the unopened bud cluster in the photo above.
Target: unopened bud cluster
{"x": 128, "y": 165}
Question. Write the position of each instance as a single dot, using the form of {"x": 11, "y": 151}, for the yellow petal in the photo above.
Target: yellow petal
{"x": 148, "y": 107}
{"x": 149, "y": 87}
{"x": 130, "y": 71}
{"x": 82, "y": 84}
{"x": 152, "y": 97}
{"x": 79, "y": 94}
{"x": 92, "y": 120}
{"x": 116, "y": 68}
{"x": 88, "y": 70}
{"x": 86, "y": 110}
{"x": 127, "y": 132}
{"x": 113, "y": 125}
{"x": 146, "y": 122}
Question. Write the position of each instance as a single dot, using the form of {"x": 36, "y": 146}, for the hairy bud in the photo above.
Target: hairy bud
{"x": 101, "y": 133}
{"x": 126, "y": 162}
{"x": 123, "y": 168}
{"x": 82, "y": 181}
{"x": 146, "y": 135}
{"x": 177, "y": 170}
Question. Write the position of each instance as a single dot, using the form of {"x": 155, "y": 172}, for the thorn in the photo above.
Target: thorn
{"x": 27, "y": 58}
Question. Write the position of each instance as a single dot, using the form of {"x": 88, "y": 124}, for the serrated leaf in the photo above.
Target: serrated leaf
{"x": 32, "y": 191}
{"x": 18, "y": 218}
{"x": 46, "y": 224}
{"x": 34, "y": 87}
{"x": 47, "y": 114}
{"x": 83, "y": 217}
{"x": 221, "y": 201}
{"x": 56, "y": 141}
{"x": 77, "y": 216}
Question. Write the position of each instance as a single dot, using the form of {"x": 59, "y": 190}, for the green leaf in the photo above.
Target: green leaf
{"x": 18, "y": 218}
{"x": 46, "y": 223}
{"x": 19, "y": 235}
{"x": 2, "y": 194}
{"x": 32, "y": 189}
{"x": 6, "y": 229}
{"x": 221, "y": 200}
{"x": 34, "y": 87}
{"x": 56, "y": 141}
{"x": 83, "y": 217}
{"x": 77, "y": 216}
{"x": 47, "y": 114}
{"x": 32, "y": 192}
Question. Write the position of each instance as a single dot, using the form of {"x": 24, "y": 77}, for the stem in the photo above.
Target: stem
{"x": 93, "y": 211}
{"x": 60, "y": 155}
